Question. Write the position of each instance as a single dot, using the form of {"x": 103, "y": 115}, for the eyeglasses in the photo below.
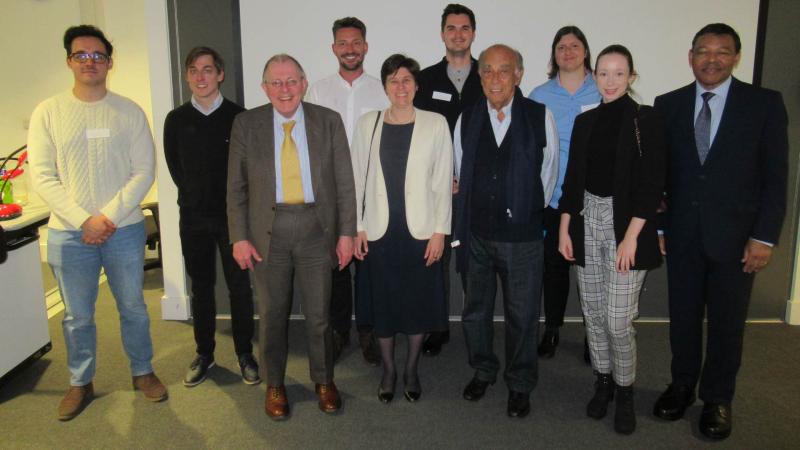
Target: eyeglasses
{"x": 83, "y": 57}
{"x": 278, "y": 84}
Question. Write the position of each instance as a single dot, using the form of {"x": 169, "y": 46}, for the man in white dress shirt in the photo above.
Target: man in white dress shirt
{"x": 350, "y": 92}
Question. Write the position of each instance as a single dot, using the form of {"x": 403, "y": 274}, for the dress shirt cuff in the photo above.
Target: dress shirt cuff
{"x": 768, "y": 244}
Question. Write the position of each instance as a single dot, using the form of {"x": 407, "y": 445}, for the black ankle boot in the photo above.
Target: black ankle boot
{"x": 603, "y": 395}
{"x": 624, "y": 416}
{"x": 547, "y": 348}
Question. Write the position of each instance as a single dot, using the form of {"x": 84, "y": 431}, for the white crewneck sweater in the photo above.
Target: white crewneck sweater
{"x": 90, "y": 158}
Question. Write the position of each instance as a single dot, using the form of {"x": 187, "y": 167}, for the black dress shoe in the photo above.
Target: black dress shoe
{"x": 547, "y": 348}
{"x": 411, "y": 394}
{"x": 475, "y": 389}
{"x": 249, "y": 369}
{"x": 716, "y": 421}
{"x": 672, "y": 404}
{"x": 432, "y": 345}
{"x": 386, "y": 396}
{"x": 198, "y": 370}
{"x": 519, "y": 404}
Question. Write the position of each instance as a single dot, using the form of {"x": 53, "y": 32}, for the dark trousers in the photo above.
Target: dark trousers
{"x": 200, "y": 245}
{"x": 342, "y": 299}
{"x": 555, "y": 282}
{"x": 298, "y": 256}
{"x": 519, "y": 266}
{"x": 700, "y": 287}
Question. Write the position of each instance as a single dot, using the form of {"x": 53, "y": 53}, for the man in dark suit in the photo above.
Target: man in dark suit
{"x": 292, "y": 218}
{"x": 726, "y": 193}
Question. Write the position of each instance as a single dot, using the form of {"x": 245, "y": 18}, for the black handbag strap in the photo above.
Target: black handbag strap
{"x": 369, "y": 158}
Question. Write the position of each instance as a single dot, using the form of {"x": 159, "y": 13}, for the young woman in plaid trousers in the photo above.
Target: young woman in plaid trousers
{"x": 612, "y": 190}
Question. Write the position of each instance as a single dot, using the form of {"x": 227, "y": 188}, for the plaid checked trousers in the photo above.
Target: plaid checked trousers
{"x": 610, "y": 299}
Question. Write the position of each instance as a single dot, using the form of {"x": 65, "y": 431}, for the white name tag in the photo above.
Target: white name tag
{"x": 96, "y": 133}
{"x": 585, "y": 108}
{"x": 442, "y": 96}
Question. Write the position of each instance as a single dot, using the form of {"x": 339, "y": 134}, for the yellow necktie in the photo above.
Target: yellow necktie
{"x": 290, "y": 168}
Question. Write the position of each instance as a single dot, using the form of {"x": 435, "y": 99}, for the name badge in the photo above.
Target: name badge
{"x": 97, "y": 133}
{"x": 442, "y": 96}
{"x": 585, "y": 108}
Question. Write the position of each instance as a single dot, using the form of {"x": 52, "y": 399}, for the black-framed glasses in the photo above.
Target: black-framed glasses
{"x": 83, "y": 57}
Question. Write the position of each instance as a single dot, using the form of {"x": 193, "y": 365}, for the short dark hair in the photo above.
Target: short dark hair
{"x": 197, "y": 52}
{"x": 397, "y": 62}
{"x": 455, "y": 8}
{"x": 719, "y": 29}
{"x": 563, "y": 31}
{"x": 349, "y": 22}
{"x": 85, "y": 30}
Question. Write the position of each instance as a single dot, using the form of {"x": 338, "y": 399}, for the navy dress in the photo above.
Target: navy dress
{"x": 407, "y": 297}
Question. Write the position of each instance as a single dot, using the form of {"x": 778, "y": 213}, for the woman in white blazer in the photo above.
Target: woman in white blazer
{"x": 403, "y": 166}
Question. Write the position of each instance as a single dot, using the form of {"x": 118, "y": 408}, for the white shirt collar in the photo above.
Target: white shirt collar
{"x": 214, "y": 105}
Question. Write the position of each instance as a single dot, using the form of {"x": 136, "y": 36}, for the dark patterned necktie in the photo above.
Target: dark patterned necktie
{"x": 702, "y": 128}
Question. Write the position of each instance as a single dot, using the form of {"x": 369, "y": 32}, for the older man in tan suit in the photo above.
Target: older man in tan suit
{"x": 292, "y": 217}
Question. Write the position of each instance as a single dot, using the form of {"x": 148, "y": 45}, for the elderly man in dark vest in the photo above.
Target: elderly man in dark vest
{"x": 506, "y": 148}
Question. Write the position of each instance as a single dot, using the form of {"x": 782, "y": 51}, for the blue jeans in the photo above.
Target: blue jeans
{"x": 76, "y": 267}
{"x": 519, "y": 266}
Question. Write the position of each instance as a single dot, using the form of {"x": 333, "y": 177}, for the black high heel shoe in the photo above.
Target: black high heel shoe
{"x": 411, "y": 396}
{"x": 387, "y": 396}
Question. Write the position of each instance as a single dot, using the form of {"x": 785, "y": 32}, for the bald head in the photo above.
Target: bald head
{"x": 500, "y": 67}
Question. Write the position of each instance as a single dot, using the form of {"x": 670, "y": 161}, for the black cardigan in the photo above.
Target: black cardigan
{"x": 638, "y": 180}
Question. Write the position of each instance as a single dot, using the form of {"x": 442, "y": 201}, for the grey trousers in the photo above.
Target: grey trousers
{"x": 610, "y": 299}
{"x": 298, "y": 256}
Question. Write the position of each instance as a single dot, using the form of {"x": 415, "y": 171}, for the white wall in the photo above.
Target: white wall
{"x": 657, "y": 32}
{"x": 35, "y": 61}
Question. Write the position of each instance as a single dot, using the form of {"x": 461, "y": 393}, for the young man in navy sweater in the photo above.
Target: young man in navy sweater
{"x": 196, "y": 136}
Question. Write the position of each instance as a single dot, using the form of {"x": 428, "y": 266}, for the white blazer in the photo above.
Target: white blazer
{"x": 429, "y": 176}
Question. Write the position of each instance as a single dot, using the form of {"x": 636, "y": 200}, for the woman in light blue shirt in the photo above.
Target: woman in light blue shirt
{"x": 569, "y": 91}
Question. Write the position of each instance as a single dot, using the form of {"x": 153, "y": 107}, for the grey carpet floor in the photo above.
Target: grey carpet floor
{"x": 225, "y": 413}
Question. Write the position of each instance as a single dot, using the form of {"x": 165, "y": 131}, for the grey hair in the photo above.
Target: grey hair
{"x": 280, "y": 58}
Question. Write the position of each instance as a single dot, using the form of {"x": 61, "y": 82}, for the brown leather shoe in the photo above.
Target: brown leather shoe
{"x": 329, "y": 399}
{"x": 276, "y": 405}
{"x": 152, "y": 388}
{"x": 76, "y": 399}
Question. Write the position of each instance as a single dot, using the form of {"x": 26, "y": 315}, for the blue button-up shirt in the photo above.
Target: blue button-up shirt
{"x": 716, "y": 104}
{"x": 565, "y": 107}
{"x": 301, "y": 142}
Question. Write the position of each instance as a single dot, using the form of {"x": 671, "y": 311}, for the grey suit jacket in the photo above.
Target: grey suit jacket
{"x": 251, "y": 176}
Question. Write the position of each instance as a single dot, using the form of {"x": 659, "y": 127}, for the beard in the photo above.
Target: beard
{"x": 351, "y": 67}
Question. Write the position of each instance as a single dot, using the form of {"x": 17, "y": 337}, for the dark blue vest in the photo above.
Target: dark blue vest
{"x": 513, "y": 176}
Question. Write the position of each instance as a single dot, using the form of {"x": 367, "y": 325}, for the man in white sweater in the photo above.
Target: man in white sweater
{"x": 92, "y": 159}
